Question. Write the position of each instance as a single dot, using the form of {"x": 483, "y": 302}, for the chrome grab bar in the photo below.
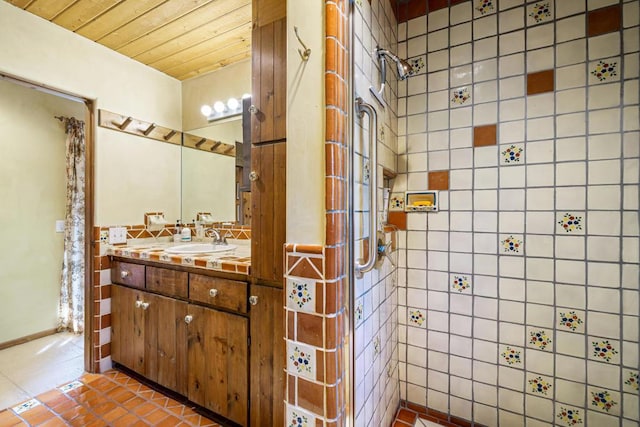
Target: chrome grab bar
{"x": 363, "y": 108}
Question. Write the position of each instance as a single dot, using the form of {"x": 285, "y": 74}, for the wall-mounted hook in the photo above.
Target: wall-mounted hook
{"x": 124, "y": 124}
{"x": 304, "y": 54}
{"x": 200, "y": 142}
{"x": 148, "y": 130}
{"x": 169, "y": 135}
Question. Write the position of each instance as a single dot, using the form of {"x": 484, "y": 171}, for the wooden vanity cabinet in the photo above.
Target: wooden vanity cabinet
{"x": 148, "y": 336}
{"x": 218, "y": 362}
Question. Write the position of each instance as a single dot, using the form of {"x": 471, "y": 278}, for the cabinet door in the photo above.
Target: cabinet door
{"x": 218, "y": 362}
{"x": 165, "y": 342}
{"x": 268, "y": 225}
{"x": 267, "y": 357}
{"x": 269, "y": 80}
{"x": 127, "y": 328}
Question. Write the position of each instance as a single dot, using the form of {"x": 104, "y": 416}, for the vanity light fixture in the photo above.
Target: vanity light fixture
{"x": 222, "y": 110}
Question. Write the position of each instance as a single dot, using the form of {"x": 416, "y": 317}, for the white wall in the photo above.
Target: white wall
{"x": 32, "y": 190}
{"x": 38, "y": 51}
{"x": 305, "y": 124}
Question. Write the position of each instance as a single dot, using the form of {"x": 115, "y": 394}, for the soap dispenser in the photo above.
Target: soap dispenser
{"x": 185, "y": 234}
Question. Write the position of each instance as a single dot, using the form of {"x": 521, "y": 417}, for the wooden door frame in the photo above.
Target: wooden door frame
{"x": 89, "y": 243}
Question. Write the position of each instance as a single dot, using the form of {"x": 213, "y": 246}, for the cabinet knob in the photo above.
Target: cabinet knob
{"x": 253, "y": 109}
{"x": 188, "y": 319}
{"x": 253, "y": 300}
{"x": 213, "y": 293}
{"x": 144, "y": 305}
{"x": 138, "y": 304}
{"x": 253, "y": 176}
{"x": 124, "y": 274}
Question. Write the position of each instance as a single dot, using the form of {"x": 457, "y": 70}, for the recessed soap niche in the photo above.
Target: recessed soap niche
{"x": 414, "y": 201}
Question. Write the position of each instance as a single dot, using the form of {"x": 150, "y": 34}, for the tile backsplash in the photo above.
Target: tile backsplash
{"x": 519, "y": 299}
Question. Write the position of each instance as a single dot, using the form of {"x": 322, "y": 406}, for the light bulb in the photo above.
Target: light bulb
{"x": 205, "y": 110}
{"x": 232, "y": 103}
{"x": 246, "y": 95}
{"x": 218, "y": 106}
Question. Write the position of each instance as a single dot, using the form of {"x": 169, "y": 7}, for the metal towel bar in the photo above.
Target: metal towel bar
{"x": 363, "y": 108}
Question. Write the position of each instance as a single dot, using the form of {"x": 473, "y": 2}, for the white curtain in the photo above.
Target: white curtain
{"x": 71, "y": 310}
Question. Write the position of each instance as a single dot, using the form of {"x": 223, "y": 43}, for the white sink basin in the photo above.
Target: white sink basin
{"x": 198, "y": 248}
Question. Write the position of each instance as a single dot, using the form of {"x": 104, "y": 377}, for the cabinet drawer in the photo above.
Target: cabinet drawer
{"x": 128, "y": 274}
{"x": 168, "y": 282}
{"x": 229, "y": 294}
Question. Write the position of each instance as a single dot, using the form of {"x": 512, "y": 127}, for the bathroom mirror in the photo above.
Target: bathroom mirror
{"x": 209, "y": 179}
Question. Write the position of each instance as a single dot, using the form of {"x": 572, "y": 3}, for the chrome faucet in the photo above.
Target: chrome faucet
{"x": 217, "y": 238}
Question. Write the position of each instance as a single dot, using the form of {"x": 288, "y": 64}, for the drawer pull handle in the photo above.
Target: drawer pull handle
{"x": 124, "y": 274}
{"x": 253, "y": 300}
{"x": 213, "y": 293}
{"x": 188, "y": 319}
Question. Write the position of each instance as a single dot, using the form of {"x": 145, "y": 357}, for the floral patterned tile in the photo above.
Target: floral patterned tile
{"x": 460, "y": 96}
{"x": 631, "y": 381}
{"x": 301, "y": 295}
{"x": 416, "y": 317}
{"x": 301, "y": 360}
{"x": 604, "y": 400}
{"x": 540, "y": 386}
{"x": 569, "y": 416}
{"x": 540, "y": 12}
{"x": 512, "y": 245}
{"x": 71, "y": 386}
{"x": 570, "y": 222}
{"x": 484, "y": 7}
{"x": 511, "y": 356}
{"x": 604, "y": 71}
{"x": 396, "y": 202}
{"x": 297, "y": 417}
{"x": 539, "y": 339}
{"x": 604, "y": 350}
{"x": 571, "y": 320}
{"x": 513, "y": 155}
{"x": 461, "y": 283}
{"x": 25, "y": 406}
{"x": 418, "y": 65}
{"x": 359, "y": 312}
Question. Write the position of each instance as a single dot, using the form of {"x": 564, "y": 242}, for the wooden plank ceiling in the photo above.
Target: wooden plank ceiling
{"x": 182, "y": 38}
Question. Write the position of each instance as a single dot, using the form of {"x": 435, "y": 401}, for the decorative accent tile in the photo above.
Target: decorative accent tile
{"x": 513, "y": 155}
{"x": 540, "y": 12}
{"x": 301, "y": 295}
{"x": 366, "y": 171}
{"x": 460, "y": 283}
{"x": 570, "y": 416}
{"x": 418, "y": 65}
{"x": 484, "y": 135}
{"x": 604, "y": 20}
{"x": 359, "y": 314}
{"x": 570, "y": 222}
{"x": 460, "y": 96}
{"x": 631, "y": 381}
{"x": 376, "y": 345}
{"x": 511, "y": 245}
{"x": 605, "y": 70}
{"x": 539, "y": 339}
{"x": 25, "y": 406}
{"x": 438, "y": 180}
{"x": 603, "y": 400}
{"x": 511, "y": 356}
{"x": 396, "y": 202}
{"x": 538, "y": 385}
{"x": 301, "y": 360}
{"x": 540, "y": 82}
{"x": 297, "y": 417}
{"x": 569, "y": 320}
{"x": 71, "y": 386}
{"x": 485, "y": 6}
{"x": 603, "y": 350}
{"x": 416, "y": 317}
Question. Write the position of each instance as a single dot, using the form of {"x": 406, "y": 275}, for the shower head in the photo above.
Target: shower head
{"x": 403, "y": 68}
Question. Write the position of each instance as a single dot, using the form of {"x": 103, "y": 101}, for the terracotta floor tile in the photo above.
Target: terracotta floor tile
{"x": 104, "y": 408}
{"x": 50, "y": 396}
{"x": 37, "y": 415}
{"x": 73, "y": 412}
{"x": 144, "y": 409}
{"x": 126, "y": 421}
{"x": 83, "y": 420}
{"x": 169, "y": 422}
{"x": 54, "y": 422}
{"x": 156, "y": 416}
{"x": 133, "y": 403}
{"x": 8, "y": 418}
{"x": 64, "y": 406}
{"x": 124, "y": 396}
{"x": 89, "y": 378}
{"x": 114, "y": 414}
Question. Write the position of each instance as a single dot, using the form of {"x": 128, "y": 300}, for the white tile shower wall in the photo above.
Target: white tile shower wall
{"x": 519, "y": 300}
{"x": 375, "y": 318}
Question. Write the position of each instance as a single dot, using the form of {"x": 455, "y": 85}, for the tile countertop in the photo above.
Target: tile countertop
{"x": 237, "y": 260}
